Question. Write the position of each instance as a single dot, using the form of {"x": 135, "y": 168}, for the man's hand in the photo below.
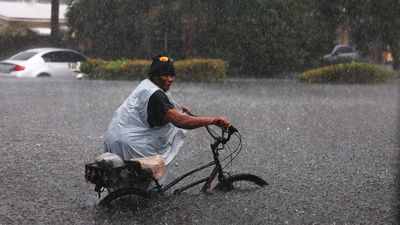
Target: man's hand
{"x": 186, "y": 109}
{"x": 222, "y": 122}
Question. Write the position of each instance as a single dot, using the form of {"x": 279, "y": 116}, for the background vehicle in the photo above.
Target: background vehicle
{"x": 42, "y": 62}
{"x": 342, "y": 54}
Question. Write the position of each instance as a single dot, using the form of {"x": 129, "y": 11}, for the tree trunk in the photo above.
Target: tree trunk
{"x": 188, "y": 36}
{"x": 396, "y": 56}
{"x": 54, "y": 26}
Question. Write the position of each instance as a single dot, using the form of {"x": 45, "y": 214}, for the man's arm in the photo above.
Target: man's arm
{"x": 185, "y": 121}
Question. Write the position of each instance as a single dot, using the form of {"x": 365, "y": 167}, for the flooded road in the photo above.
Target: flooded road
{"x": 328, "y": 152}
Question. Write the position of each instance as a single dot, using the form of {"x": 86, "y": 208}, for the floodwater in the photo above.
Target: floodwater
{"x": 328, "y": 152}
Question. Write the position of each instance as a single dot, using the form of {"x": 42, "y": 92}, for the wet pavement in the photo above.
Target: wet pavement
{"x": 328, "y": 152}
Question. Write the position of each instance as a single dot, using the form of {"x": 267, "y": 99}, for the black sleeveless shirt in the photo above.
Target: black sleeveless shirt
{"x": 157, "y": 107}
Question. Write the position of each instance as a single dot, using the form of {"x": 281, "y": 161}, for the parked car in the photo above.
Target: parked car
{"x": 342, "y": 54}
{"x": 42, "y": 62}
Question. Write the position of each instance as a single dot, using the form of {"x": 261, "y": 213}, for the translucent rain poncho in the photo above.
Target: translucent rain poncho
{"x": 129, "y": 134}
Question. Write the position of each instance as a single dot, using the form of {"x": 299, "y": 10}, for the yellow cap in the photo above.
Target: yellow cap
{"x": 164, "y": 59}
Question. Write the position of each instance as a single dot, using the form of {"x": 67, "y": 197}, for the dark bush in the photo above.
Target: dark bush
{"x": 354, "y": 72}
{"x": 115, "y": 70}
{"x": 193, "y": 69}
{"x": 201, "y": 69}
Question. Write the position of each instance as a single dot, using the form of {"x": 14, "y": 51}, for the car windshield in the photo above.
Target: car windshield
{"x": 344, "y": 50}
{"x": 23, "y": 55}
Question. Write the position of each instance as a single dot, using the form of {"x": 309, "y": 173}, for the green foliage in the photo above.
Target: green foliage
{"x": 193, "y": 69}
{"x": 255, "y": 37}
{"x": 354, "y": 72}
{"x": 263, "y": 37}
{"x": 200, "y": 69}
{"x": 11, "y": 43}
{"x": 111, "y": 29}
{"x": 115, "y": 70}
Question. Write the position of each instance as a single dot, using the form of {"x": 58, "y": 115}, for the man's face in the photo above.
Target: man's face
{"x": 164, "y": 81}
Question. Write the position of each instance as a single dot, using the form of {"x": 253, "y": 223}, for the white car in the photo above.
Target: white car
{"x": 342, "y": 54}
{"x": 42, "y": 62}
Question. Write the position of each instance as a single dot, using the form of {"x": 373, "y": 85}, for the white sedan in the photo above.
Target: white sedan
{"x": 42, "y": 62}
{"x": 342, "y": 54}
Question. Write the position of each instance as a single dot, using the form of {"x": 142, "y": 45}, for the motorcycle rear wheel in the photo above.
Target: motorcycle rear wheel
{"x": 126, "y": 197}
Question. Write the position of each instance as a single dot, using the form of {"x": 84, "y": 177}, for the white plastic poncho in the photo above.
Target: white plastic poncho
{"x": 129, "y": 134}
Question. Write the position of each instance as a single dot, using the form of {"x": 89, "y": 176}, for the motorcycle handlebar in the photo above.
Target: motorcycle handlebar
{"x": 231, "y": 130}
